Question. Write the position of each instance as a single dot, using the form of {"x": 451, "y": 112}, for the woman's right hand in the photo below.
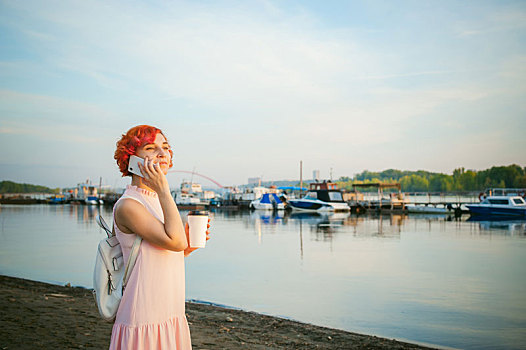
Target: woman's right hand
{"x": 154, "y": 177}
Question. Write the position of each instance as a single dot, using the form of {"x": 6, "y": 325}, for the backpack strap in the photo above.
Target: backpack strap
{"x": 131, "y": 260}
{"x": 133, "y": 252}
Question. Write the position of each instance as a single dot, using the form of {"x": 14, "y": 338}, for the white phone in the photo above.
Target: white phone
{"x": 133, "y": 165}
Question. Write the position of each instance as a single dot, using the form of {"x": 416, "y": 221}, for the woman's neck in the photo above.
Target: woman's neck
{"x": 137, "y": 181}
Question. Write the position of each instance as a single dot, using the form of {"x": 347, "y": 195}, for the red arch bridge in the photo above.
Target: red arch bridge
{"x": 194, "y": 173}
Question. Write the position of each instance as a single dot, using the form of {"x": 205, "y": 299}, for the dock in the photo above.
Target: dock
{"x": 399, "y": 202}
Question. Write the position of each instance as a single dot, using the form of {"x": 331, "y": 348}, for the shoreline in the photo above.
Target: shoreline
{"x": 37, "y": 314}
{"x": 423, "y": 345}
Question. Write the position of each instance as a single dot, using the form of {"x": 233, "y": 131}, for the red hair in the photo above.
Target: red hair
{"x": 135, "y": 138}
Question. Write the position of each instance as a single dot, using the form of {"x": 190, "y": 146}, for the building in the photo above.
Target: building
{"x": 254, "y": 180}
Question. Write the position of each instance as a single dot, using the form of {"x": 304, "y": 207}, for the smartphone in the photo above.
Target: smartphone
{"x": 133, "y": 165}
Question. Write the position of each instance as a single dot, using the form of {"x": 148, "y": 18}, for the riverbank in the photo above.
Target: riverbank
{"x": 41, "y": 315}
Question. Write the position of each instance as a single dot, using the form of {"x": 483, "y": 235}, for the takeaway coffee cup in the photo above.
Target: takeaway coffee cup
{"x": 198, "y": 222}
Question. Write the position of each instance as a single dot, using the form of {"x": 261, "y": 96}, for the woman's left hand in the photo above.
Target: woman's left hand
{"x": 189, "y": 250}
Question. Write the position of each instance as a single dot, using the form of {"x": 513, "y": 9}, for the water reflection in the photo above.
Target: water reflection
{"x": 267, "y": 217}
{"x": 326, "y": 226}
{"x": 323, "y": 226}
{"x": 511, "y": 226}
{"x": 83, "y": 213}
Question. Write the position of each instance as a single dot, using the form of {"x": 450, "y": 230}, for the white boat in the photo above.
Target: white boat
{"x": 429, "y": 209}
{"x": 186, "y": 199}
{"x": 322, "y": 197}
{"x": 499, "y": 206}
{"x": 250, "y": 193}
{"x": 85, "y": 193}
{"x": 191, "y": 193}
{"x": 268, "y": 201}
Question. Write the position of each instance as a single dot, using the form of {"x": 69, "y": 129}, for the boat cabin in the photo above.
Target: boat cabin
{"x": 82, "y": 191}
{"x": 323, "y": 186}
{"x": 504, "y": 200}
{"x": 191, "y": 187}
{"x": 324, "y": 191}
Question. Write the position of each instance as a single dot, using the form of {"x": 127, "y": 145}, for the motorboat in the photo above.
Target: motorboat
{"x": 430, "y": 209}
{"x": 57, "y": 199}
{"x": 499, "y": 206}
{"x": 93, "y": 200}
{"x": 268, "y": 201}
{"x": 215, "y": 202}
{"x": 195, "y": 190}
{"x": 85, "y": 193}
{"x": 191, "y": 195}
{"x": 186, "y": 199}
{"x": 322, "y": 197}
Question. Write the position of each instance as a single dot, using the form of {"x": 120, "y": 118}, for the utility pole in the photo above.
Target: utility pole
{"x": 301, "y": 177}
{"x": 192, "y": 178}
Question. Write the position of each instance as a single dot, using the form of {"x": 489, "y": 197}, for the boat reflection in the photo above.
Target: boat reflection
{"x": 84, "y": 213}
{"x": 267, "y": 217}
{"x": 510, "y": 225}
{"x": 325, "y": 225}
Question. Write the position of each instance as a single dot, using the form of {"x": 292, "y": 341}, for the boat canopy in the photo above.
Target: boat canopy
{"x": 269, "y": 198}
{"x": 293, "y": 188}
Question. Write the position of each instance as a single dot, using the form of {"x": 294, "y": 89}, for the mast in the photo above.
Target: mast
{"x": 301, "y": 177}
{"x": 192, "y": 178}
{"x": 100, "y": 186}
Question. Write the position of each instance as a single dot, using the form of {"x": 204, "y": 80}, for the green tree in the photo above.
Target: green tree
{"x": 461, "y": 179}
{"x": 440, "y": 183}
{"x": 13, "y": 187}
{"x": 415, "y": 183}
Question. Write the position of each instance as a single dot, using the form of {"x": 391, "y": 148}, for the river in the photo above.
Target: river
{"x": 421, "y": 278}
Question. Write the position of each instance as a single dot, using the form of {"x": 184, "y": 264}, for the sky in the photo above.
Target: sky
{"x": 251, "y": 88}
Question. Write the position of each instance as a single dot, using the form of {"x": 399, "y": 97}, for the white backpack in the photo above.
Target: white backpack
{"x": 110, "y": 277}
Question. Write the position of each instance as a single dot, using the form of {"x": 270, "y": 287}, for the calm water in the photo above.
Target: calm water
{"x": 421, "y": 278}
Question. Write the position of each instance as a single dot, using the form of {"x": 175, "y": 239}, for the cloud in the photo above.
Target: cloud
{"x": 508, "y": 18}
{"x": 259, "y": 78}
{"x": 216, "y": 55}
{"x": 403, "y": 75}
{"x": 41, "y": 111}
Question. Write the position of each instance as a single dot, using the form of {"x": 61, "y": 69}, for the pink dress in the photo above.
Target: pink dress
{"x": 151, "y": 314}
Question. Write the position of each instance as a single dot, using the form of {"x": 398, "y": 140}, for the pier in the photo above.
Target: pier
{"x": 399, "y": 201}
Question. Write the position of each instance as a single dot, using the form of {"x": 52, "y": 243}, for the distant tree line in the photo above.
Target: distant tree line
{"x": 13, "y": 187}
{"x": 511, "y": 176}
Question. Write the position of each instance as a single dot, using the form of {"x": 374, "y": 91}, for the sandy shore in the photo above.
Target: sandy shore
{"x": 37, "y": 315}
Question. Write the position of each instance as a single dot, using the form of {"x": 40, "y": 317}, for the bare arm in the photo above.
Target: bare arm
{"x": 133, "y": 217}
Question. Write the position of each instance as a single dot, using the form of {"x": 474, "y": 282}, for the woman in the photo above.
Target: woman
{"x": 151, "y": 314}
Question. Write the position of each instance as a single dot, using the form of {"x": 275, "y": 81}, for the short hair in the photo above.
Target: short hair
{"x": 131, "y": 141}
